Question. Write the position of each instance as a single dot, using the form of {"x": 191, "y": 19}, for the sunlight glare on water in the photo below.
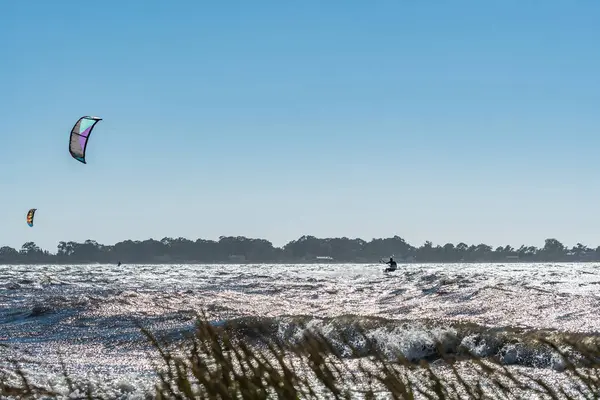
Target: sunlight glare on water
{"x": 91, "y": 311}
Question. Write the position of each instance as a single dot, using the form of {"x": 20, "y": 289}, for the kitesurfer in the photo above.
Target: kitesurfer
{"x": 392, "y": 265}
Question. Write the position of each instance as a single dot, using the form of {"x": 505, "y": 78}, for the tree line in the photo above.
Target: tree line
{"x": 240, "y": 249}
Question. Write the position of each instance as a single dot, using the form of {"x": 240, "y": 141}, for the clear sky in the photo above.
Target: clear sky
{"x": 473, "y": 121}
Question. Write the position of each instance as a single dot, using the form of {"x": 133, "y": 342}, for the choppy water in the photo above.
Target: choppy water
{"x": 88, "y": 313}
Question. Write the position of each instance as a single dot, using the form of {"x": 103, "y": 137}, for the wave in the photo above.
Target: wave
{"x": 350, "y": 336}
{"x": 355, "y": 336}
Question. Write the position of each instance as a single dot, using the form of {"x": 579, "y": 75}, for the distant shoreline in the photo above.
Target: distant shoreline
{"x": 230, "y": 250}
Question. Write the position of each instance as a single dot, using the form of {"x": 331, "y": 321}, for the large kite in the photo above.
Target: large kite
{"x": 30, "y": 215}
{"x": 80, "y": 136}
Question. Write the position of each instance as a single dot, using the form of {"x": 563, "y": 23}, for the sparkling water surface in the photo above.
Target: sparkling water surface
{"x": 87, "y": 314}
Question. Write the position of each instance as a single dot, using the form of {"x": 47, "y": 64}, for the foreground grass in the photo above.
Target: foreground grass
{"x": 217, "y": 363}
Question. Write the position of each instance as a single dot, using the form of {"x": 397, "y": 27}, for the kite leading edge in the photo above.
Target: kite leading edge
{"x": 80, "y": 135}
{"x": 30, "y": 215}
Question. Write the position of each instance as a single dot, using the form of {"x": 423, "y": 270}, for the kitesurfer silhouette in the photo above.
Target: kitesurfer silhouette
{"x": 392, "y": 265}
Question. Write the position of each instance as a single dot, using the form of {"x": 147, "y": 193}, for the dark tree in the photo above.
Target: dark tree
{"x": 304, "y": 249}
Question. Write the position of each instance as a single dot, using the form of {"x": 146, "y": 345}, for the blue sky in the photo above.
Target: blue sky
{"x": 453, "y": 121}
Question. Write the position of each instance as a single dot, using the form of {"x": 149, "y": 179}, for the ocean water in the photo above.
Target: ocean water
{"x": 88, "y": 315}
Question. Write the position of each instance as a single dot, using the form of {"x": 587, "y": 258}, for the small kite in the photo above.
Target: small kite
{"x": 80, "y": 136}
{"x": 30, "y": 215}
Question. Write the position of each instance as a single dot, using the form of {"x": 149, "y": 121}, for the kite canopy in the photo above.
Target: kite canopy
{"x": 30, "y": 215}
{"x": 80, "y": 136}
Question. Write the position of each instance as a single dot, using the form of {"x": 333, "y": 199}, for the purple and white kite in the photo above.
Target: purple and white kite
{"x": 80, "y": 136}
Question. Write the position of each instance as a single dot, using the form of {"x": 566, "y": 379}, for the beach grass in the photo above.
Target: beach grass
{"x": 219, "y": 363}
